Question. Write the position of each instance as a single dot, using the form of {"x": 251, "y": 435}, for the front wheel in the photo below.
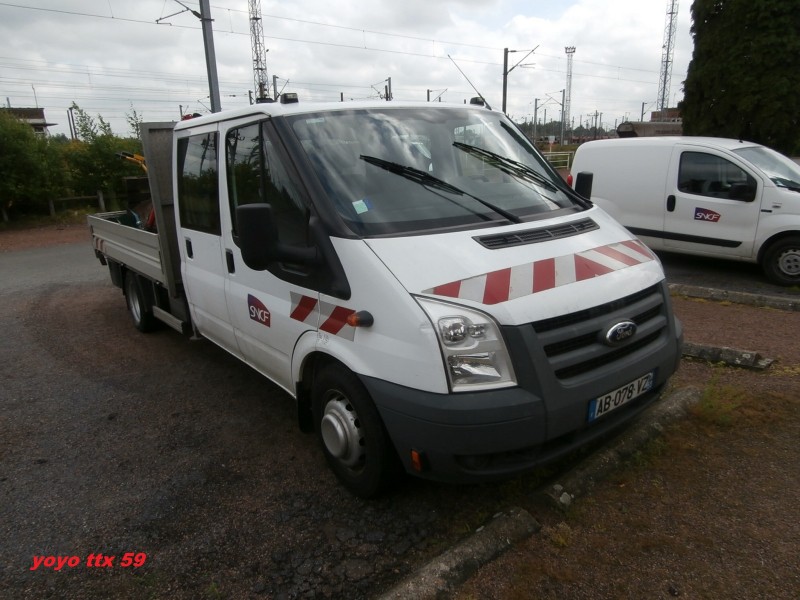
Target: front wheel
{"x": 781, "y": 262}
{"x": 352, "y": 435}
{"x": 138, "y": 307}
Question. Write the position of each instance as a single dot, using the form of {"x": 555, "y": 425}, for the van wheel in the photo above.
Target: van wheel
{"x": 352, "y": 435}
{"x": 782, "y": 261}
{"x": 138, "y": 307}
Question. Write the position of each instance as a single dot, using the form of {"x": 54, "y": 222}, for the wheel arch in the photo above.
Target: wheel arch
{"x": 311, "y": 365}
{"x": 767, "y": 244}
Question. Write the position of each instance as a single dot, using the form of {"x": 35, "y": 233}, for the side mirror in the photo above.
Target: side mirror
{"x": 260, "y": 243}
{"x": 742, "y": 191}
{"x": 583, "y": 184}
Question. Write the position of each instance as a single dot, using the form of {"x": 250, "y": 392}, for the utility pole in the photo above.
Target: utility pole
{"x": 535, "y": 117}
{"x": 211, "y": 57}
{"x": 506, "y": 71}
{"x": 563, "y": 117}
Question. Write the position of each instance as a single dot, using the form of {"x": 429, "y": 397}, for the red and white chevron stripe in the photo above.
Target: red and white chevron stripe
{"x": 332, "y": 318}
{"x": 530, "y": 278}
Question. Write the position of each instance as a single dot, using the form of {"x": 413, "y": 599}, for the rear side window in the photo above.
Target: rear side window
{"x": 198, "y": 183}
{"x": 710, "y": 175}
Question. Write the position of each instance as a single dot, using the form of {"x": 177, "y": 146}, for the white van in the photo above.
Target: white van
{"x": 416, "y": 276}
{"x": 706, "y": 196}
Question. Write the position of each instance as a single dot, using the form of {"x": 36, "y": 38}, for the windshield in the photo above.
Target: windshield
{"x": 396, "y": 170}
{"x": 783, "y": 171}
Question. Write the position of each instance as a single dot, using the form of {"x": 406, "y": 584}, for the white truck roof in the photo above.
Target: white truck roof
{"x": 300, "y": 107}
{"x": 654, "y": 141}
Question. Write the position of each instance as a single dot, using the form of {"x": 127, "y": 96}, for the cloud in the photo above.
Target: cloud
{"x": 111, "y": 56}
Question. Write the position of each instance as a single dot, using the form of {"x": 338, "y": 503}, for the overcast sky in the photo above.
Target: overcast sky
{"x": 115, "y": 56}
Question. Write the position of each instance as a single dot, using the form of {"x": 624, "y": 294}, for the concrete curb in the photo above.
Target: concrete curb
{"x": 439, "y": 577}
{"x": 451, "y": 568}
{"x": 730, "y": 356}
{"x": 764, "y": 300}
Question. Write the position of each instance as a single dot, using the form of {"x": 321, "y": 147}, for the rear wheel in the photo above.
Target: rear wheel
{"x": 352, "y": 435}
{"x": 781, "y": 262}
{"x": 138, "y": 306}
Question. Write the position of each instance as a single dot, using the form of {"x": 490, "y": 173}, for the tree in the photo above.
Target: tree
{"x": 135, "y": 121}
{"x": 743, "y": 80}
{"x": 93, "y": 158}
{"x": 32, "y": 170}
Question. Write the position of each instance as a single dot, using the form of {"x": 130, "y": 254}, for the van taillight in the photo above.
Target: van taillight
{"x": 569, "y": 180}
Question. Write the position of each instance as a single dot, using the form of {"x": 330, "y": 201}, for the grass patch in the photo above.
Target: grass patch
{"x": 719, "y": 404}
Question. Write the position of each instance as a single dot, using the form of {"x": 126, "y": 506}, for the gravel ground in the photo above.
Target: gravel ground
{"x": 107, "y": 447}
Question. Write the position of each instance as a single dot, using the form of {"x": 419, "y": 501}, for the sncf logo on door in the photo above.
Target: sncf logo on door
{"x": 703, "y": 214}
{"x": 258, "y": 312}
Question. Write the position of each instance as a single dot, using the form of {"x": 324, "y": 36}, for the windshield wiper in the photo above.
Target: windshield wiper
{"x": 426, "y": 179}
{"x": 507, "y": 165}
{"x": 787, "y": 183}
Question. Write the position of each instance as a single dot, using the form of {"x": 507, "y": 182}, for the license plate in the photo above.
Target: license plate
{"x": 620, "y": 396}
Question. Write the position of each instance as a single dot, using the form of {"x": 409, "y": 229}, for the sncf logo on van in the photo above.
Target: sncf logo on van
{"x": 703, "y": 214}
{"x": 258, "y": 312}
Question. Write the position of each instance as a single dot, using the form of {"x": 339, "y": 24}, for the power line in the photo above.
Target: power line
{"x": 318, "y": 42}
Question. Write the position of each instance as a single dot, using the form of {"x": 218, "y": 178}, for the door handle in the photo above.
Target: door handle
{"x": 670, "y": 203}
{"x": 229, "y": 260}
{"x": 189, "y": 251}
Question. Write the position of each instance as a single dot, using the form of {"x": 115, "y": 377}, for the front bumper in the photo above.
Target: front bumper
{"x": 561, "y": 366}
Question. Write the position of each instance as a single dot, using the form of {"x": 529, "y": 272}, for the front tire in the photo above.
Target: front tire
{"x": 351, "y": 433}
{"x": 781, "y": 262}
{"x": 138, "y": 307}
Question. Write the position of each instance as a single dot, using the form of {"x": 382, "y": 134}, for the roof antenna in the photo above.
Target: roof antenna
{"x": 469, "y": 82}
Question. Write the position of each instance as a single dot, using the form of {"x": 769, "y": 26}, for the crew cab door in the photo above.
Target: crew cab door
{"x": 712, "y": 203}
{"x": 199, "y": 234}
{"x": 271, "y": 309}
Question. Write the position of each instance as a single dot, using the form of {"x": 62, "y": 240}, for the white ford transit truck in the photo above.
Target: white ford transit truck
{"x": 416, "y": 276}
{"x": 705, "y": 196}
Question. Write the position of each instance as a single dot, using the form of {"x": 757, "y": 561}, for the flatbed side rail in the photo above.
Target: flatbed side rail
{"x": 136, "y": 248}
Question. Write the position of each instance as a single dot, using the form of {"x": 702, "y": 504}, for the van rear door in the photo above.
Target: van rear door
{"x": 707, "y": 211}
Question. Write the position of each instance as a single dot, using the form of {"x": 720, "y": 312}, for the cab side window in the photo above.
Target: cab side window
{"x": 709, "y": 175}
{"x": 256, "y": 173}
{"x": 198, "y": 183}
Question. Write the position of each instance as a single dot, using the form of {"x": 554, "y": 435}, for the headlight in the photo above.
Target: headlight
{"x": 475, "y": 355}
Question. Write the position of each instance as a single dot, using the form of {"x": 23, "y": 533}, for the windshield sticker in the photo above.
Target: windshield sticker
{"x": 542, "y": 275}
{"x": 362, "y": 206}
{"x": 258, "y": 312}
{"x": 704, "y": 214}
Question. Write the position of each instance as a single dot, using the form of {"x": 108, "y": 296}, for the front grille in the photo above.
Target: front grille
{"x": 574, "y": 343}
{"x": 532, "y": 236}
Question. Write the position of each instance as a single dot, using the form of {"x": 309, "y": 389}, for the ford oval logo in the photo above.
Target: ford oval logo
{"x": 620, "y": 332}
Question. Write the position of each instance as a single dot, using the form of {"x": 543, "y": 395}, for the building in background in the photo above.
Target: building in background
{"x": 32, "y": 116}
